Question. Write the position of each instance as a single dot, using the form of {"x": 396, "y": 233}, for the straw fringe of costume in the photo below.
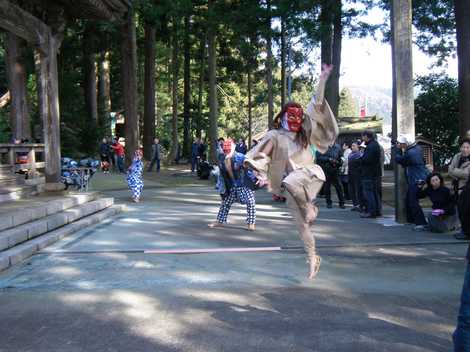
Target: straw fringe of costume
{"x": 304, "y": 178}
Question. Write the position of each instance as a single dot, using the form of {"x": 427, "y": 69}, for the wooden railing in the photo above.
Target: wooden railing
{"x": 14, "y": 155}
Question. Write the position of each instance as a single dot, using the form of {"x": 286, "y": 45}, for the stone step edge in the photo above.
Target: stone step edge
{"x": 36, "y": 212}
{"x": 25, "y": 250}
{"x": 25, "y": 192}
{"x": 14, "y": 236}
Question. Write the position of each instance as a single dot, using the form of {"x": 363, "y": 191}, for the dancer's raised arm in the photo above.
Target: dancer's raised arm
{"x": 320, "y": 125}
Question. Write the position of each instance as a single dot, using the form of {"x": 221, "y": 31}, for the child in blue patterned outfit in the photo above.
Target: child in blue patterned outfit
{"x": 234, "y": 179}
{"x": 134, "y": 176}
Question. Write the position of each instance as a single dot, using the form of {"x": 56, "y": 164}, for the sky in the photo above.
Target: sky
{"x": 368, "y": 62}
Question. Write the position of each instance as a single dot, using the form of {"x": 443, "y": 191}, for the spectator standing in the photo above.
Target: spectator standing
{"x": 410, "y": 156}
{"x": 112, "y": 154}
{"x": 344, "y": 170}
{"x": 119, "y": 151}
{"x": 443, "y": 217}
{"x": 202, "y": 151}
{"x": 156, "y": 153}
{"x": 354, "y": 176}
{"x": 459, "y": 168}
{"x": 370, "y": 165}
{"x": 195, "y": 154}
{"x": 461, "y": 335}
{"x": 330, "y": 161}
{"x": 104, "y": 155}
{"x": 220, "y": 144}
{"x": 241, "y": 147}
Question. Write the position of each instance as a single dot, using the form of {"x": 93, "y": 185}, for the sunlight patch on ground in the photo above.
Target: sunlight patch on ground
{"x": 64, "y": 271}
{"x": 406, "y": 252}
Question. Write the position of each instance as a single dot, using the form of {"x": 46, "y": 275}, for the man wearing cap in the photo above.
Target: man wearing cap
{"x": 410, "y": 155}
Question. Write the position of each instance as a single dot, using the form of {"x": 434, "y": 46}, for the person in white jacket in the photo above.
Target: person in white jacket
{"x": 343, "y": 173}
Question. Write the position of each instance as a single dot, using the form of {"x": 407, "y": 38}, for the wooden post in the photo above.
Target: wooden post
{"x": 16, "y": 74}
{"x": 403, "y": 103}
{"x": 46, "y": 68}
{"x": 12, "y": 159}
{"x": 32, "y": 162}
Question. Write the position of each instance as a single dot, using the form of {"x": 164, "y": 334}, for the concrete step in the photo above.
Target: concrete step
{"x": 8, "y": 194}
{"x": 22, "y": 233}
{"x": 25, "y": 250}
{"x": 23, "y": 213}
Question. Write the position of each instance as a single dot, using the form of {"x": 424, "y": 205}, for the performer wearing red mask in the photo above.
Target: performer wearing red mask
{"x": 232, "y": 172}
{"x": 283, "y": 159}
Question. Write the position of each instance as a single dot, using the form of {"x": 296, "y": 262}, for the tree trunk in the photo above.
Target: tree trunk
{"x": 212, "y": 89}
{"x": 336, "y": 58}
{"x": 326, "y": 32}
{"x": 269, "y": 67}
{"x": 462, "y": 15}
{"x": 89, "y": 71}
{"x": 104, "y": 92}
{"x": 202, "y": 56}
{"x": 174, "y": 92}
{"x": 48, "y": 101}
{"x": 403, "y": 119}
{"x": 17, "y": 77}
{"x": 149, "y": 90}
{"x": 129, "y": 85}
{"x": 187, "y": 90}
{"x": 250, "y": 118}
{"x": 326, "y": 37}
{"x": 283, "y": 62}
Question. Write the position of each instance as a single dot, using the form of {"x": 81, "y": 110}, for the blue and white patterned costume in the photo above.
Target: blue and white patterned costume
{"x": 236, "y": 191}
{"x": 134, "y": 177}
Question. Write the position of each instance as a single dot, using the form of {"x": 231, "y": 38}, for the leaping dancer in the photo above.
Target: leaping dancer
{"x": 283, "y": 159}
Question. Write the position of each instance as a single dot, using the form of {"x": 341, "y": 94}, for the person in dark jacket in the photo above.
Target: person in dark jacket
{"x": 354, "y": 176}
{"x": 156, "y": 151}
{"x": 464, "y": 212}
{"x": 461, "y": 335}
{"x": 104, "y": 155}
{"x": 410, "y": 156}
{"x": 195, "y": 154}
{"x": 241, "y": 147}
{"x": 370, "y": 172}
{"x": 443, "y": 217}
{"x": 330, "y": 161}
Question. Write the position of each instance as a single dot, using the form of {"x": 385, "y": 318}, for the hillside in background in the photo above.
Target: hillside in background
{"x": 379, "y": 101}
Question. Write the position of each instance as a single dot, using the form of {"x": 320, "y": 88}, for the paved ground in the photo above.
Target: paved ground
{"x": 380, "y": 288}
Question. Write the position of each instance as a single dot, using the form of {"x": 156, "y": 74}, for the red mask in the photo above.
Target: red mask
{"x": 294, "y": 118}
{"x": 227, "y": 146}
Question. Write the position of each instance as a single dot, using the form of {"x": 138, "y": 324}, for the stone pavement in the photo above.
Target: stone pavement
{"x": 380, "y": 288}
